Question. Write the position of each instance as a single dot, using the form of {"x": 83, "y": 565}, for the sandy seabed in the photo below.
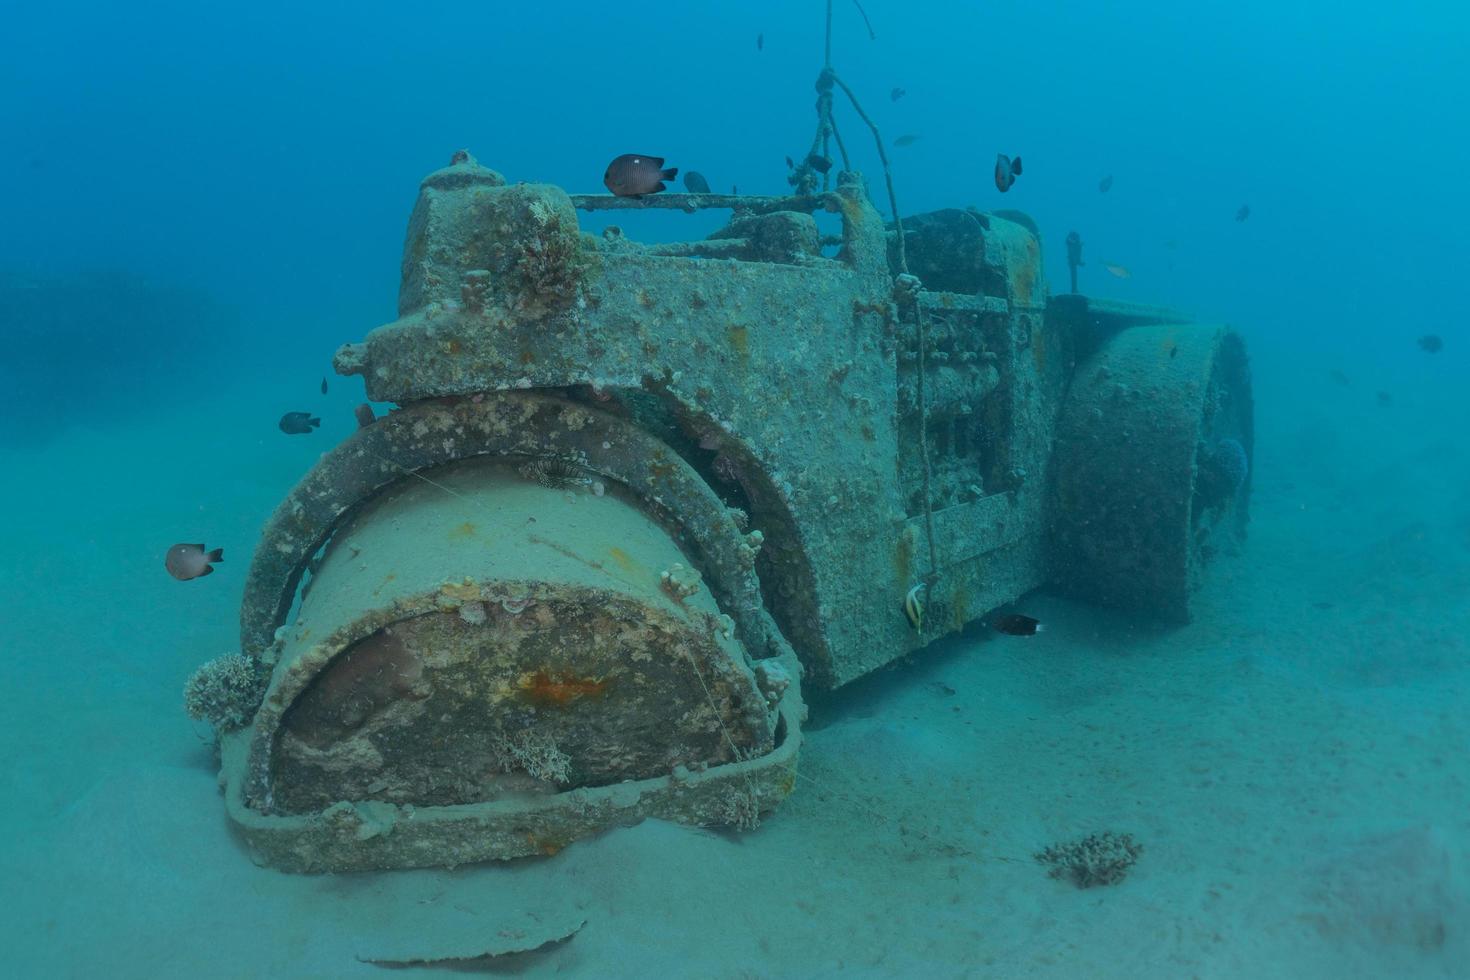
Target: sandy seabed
{"x": 1294, "y": 762}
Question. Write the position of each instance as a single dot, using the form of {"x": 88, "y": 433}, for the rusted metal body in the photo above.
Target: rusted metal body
{"x": 633, "y": 492}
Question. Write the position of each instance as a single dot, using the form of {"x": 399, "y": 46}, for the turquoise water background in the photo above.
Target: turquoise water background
{"x": 246, "y": 173}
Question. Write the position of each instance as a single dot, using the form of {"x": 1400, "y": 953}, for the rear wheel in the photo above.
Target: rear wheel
{"x": 1153, "y": 467}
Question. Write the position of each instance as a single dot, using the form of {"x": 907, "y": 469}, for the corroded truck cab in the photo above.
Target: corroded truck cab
{"x": 633, "y": 496}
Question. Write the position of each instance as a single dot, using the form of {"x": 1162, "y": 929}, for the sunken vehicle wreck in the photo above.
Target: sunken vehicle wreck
{"x": 633, "y": 496}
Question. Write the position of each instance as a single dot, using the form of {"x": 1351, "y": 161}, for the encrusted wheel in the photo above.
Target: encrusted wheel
{"x": 1153, "y": 465}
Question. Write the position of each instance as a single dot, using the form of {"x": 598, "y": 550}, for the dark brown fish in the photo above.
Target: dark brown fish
{"x": 1106, "y": 184}
{"x": 1339, "y": 378}
{"x": 1014, "y": 624}
{"x": 636, "y": 174}
{"x": 819, "y": 163}
{"x": 324, "y": 386}
{"x": 790, "y": 164}
{"x": 298, "y": 423}
{"x": 186, "y": 561}
{"x": 1431, "y": 343}
{"x": 897, "y": 94}
{"x": 1384, "y": 399}
{"x": 1006, "y": 171}
{"x": 760, "y": 42}
{"x": 907, "y": 139}
{"x": 1243, "y": 213}
{"x": 695, "y": 183}
{"x": 365, "y": 416}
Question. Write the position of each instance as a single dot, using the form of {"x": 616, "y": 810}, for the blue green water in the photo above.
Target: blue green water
{"x": 201, "y": 204}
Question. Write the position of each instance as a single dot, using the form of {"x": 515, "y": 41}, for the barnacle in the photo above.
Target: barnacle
{"x": 534, "y": 753}
{"x": 739, "y": 808}
{"x": 548, "y": 261}
{"x": 679, "y": 581}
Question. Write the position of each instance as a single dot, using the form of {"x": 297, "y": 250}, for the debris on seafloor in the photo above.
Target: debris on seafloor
{"x": 1099, "y": 859}
{"x": 508, "y": 942}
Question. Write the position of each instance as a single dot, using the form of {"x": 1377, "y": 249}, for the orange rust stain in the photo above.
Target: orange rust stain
{"x": 959, "y": 609}
{"x": 547, "y": 690}
{"x": 1025, "y": 279}
{"x": 903, "y": 557}
{"x": 1025, "y": 272}
{"x": 544, "y": 845}
{"x": 454, "y": 347}
{"x": 624, "y": 560}
{"x": 852, "y": 212}
{"x": 465, "y": 530}
{"x": 527, "y": 357}
{"x": 739, "y": 338}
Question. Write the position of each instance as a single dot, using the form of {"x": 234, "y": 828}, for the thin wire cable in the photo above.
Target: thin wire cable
{"x": 920, "y": 329}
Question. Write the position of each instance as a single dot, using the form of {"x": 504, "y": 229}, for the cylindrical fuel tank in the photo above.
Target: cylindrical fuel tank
{"x": 495, "y": 625}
